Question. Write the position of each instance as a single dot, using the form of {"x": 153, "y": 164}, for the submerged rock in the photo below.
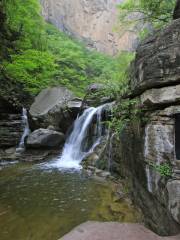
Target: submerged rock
{"x": 45, "y": 138}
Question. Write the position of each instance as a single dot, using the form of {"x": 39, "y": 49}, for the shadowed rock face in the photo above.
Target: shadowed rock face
{"x": 176, "y": 14}
{"x": 93, "y": 21}
{"x": 146, "y": 149}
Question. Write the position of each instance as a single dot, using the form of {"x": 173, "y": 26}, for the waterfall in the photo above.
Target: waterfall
{"x": 149, "y": 178}
{"x": 76, "y": 147}
{"x": 26, "y": 131}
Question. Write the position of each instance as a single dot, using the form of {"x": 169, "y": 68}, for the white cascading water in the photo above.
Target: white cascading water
{"x": 25, "y": 132}
{"x": 73, "y": 152}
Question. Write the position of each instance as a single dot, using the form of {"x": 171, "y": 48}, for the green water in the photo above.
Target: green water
{"x": 41, "y": 204}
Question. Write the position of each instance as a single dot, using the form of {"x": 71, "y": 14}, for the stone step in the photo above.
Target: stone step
{"x": 113, "y": 231}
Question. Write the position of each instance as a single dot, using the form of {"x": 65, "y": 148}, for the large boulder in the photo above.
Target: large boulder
{"x": 45, "y": 138}
{"x": 55, "y": 106}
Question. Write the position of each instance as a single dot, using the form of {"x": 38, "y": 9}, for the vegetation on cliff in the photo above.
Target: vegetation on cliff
{"x": 153, "y": 14}
{"x": 36, "y": 55}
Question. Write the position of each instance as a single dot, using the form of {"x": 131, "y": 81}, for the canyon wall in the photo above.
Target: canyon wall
{"x": 94, "y": 22}
{"x": 149, "y": 149}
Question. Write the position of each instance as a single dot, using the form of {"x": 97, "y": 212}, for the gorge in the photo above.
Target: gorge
{"x": 90, "y": 143}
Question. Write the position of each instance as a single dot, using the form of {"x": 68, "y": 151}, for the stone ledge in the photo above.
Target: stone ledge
{"x": 113, "y": 231}
{"x": 161, "y": 96}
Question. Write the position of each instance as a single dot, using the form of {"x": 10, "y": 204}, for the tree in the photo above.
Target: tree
{"x": 155, "y": 12}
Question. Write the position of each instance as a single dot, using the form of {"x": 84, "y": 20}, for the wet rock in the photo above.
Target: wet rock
{"x": 55, "y": 106}
{"x": 174, "y": 199}
{"x": 90, "y": 160}
{"x": 45, "y": 138}
{"x": 102, "y": 173}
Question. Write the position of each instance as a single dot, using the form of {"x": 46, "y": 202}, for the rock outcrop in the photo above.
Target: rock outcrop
{"x": 91, "y": 21}
{"x": 157, "y": 60}
{"x": 147, "y": 152}
{"x": 56, "y": 107}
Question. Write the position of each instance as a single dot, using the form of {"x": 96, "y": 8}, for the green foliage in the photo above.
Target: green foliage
{"x": 32, "y": 67}
{"x": 24, "y": 17}
{"x": 155, "y": 12}
{"x": 164, "y": 169}
{"x": 125, "y": 112}
{"x": 42, "y": 56}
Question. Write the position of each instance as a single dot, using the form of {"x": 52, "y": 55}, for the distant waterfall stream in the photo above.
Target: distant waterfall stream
{"x": 26, "y": 130}
{"x": 75, "y": 148}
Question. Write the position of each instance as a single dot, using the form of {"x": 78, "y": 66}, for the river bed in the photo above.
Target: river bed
{"x": 38, "y": 203}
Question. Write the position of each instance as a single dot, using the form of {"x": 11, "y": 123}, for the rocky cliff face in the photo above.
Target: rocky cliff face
{"x": 147, "y": 147}
{"x": 93, "y": 21}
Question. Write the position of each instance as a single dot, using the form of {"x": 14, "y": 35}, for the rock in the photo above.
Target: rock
{"x": 75, "y": 104}
{"x": 103, "y": 174}
{"x": 176, "y": 13}
{"x": 174, "y": 199}
{"x": 113, "y": 231}
{"x": 159, "y": 143}
{"x": 51, "y": 128}
{"x": 161, "y": 96}
{"x": 10, "y": 150}
{"x": 10, "y": 129}
{"x": 45, "y": 138}
{"x": 96, "y": 95}
{"x": 49, "y": 98}
{"x": 90, "y": 160}
{"x": 91, "y": 22}
{"x": 55, "y": 107}
{"x": 95, "y": 87}
{"x": 157, "y": 60}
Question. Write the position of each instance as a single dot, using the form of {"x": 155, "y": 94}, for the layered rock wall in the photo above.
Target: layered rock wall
{"x": 148, "y": 150}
